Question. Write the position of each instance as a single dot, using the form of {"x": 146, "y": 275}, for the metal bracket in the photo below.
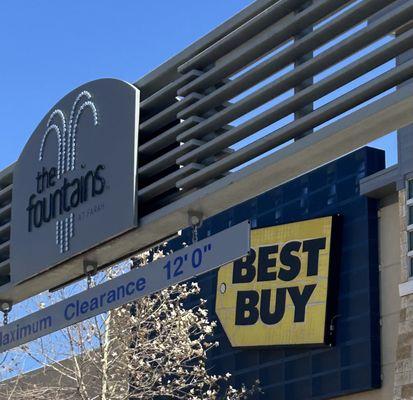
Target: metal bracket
{"x": 195, "y": 219}
{"x": 332, "y": 326}
{"x": 90, "y": 269}
{"x": 5, "y": 308}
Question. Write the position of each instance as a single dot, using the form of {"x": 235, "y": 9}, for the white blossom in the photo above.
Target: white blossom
{"x": 154, "y": 346}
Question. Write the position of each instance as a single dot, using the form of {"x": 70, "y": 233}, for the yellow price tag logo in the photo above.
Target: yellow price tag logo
{"x": 278, "y": 294}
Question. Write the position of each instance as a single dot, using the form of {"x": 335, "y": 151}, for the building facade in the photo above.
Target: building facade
{"x": 265, "y": 119}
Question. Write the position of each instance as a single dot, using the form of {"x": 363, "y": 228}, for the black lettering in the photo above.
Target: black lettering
{"x": 244, "y": 264}
{"x": 265, "y": 262}
{"x": 97, "y": 179}
{"x": 52, "y": 177}
{"x": 44, "y": 178}
{"x": 300, "y": 300}
{"x": 82, "y": 184}
{"x": 268, "y": 317}
{"x": 38, "y": 214}
{"x": 30, "y": 211}
{"x": 313, "y": 248}
{"x": 291, "y": 261}
{"x": 67, "y": 197}
{"x": 38, "y": 185}
{"x": 246, "y": 312}
{"x": 88, "y": 185}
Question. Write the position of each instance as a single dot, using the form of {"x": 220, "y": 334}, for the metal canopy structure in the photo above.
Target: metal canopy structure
{"x": 272, "y": 93}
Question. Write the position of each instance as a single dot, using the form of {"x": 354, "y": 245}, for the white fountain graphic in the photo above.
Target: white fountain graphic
{"x": 66, "y": 154}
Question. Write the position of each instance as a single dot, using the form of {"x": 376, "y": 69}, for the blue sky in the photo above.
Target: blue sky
{"x": 48, "y": 48}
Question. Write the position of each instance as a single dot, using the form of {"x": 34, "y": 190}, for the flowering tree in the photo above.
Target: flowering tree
{"x": 152, "y": 348}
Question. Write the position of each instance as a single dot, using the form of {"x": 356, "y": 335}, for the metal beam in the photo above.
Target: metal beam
{"x": 168, "y": 137}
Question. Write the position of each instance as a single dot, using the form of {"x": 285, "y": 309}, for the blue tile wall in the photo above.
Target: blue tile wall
{"x": 353, "y": 364}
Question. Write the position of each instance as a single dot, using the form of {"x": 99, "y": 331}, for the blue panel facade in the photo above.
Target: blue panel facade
{"x": 353, "y": 364}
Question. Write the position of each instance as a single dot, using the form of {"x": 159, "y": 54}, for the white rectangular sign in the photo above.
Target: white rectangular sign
{"x": 191, "y": 261}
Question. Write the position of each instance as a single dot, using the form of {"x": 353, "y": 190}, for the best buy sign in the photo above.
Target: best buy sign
{"x": 279, "y": 293}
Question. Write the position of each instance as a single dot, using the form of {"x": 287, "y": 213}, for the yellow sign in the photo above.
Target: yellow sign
{"x": 277, "y": 295}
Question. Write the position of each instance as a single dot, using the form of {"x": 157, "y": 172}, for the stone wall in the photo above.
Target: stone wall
{"x": 403, "y": 384}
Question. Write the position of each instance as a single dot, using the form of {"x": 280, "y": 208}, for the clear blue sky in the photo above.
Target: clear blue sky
{"x": 50, "y": 47}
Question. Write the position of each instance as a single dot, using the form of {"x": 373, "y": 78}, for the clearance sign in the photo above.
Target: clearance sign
{"x": 278, "y": 294}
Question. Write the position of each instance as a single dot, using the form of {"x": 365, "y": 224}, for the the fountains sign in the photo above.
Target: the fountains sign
{"x": 74, "y": 185}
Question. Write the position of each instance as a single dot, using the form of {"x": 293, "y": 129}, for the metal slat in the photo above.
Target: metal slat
{"x": 344, "y": 103}
{"x": 245, "y": 32}
{"x": 4, "y": 265}
{"x": 261, "y": 44}
{"x": 168, "y": 92}
{"x": 316, "y": 65}
{"x": 4, "y": 247}
{"x": 166, "y": 183}
{"x": 5, "y": 194}
{"x": 277, "y": 62}
{"x": 312, "y": 93}
{"x": 387, "y": 114}
{"x": 167, "y": 72}
{"x": 6, "y": 210}
{"x": 6, "y": 175}
{"x": 4, "y": 228}
{"x": 168, "y": 159}
{"x": 4, "y": 272}
{"x": 168, "y": 137}
{"x": 168, "y": 115}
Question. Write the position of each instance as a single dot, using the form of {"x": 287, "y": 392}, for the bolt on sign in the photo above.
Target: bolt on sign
{"x": 74, "y": 184}
{"x": 280, "y": 293}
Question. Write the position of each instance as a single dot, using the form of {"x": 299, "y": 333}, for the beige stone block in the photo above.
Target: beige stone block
{"x": 404, "y": 275}
{"x": 407, "y": 392}
{"x": 404, "y": 366}
{"x": 405, "y": 327}
{"x": 403, "y": 352}
{"x": 409, "y": 313}
{"x": 407, "y": 301}
{"x": 397, "y": 393}
{"x": 403, "y": 313}
{"x": 405, "y": 339}
{"x": 403, "y": 378}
